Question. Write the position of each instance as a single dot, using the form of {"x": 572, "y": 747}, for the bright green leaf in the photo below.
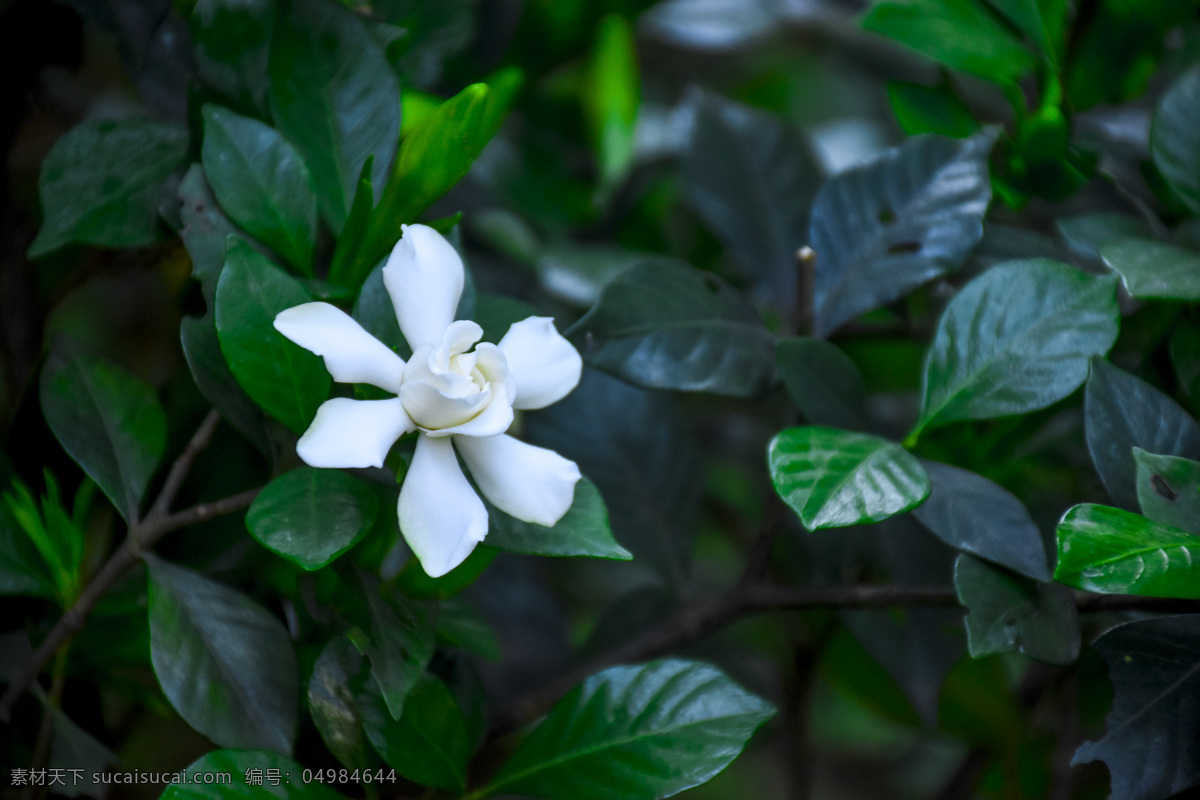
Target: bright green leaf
{"x": 583, "y": 531}
{"x": 612, "y": 96}
{"x": 1154, "y": 270}
{"x": 1168, "y": 489}
{"x": 930, "y": 109}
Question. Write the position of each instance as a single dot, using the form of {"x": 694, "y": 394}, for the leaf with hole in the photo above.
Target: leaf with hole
{"x": 1016, "y": 339}
{"x": 884, "y": 228}
{"x": 834, "y": 478}
{"x": 1168, "y": 489}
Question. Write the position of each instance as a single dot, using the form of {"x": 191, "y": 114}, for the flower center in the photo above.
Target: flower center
{"x": 448, "y": 384}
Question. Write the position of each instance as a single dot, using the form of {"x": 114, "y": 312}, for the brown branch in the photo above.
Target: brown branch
{"x": 142, "y": 535}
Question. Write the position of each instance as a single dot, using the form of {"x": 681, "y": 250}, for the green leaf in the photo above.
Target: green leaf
{"x": 342, "y": 271}
{"x": 1043, "y": 21}
{"x": 261, "y": 183}
{"x": 311, "y": 516}
{"x": 651, "y": 730}
{"x": 1122, "y": 412}
{"x": 287, "y": 381}
{"x": 834, "y": 478}
{"x": 666, "y": 325}
{"x": 1016, "y": 339}
{"x": 823, "y": 382}
{"x": 205, "y": 230}
{"x": 73, "y": 748}
{"x": 1185, "y": 357}
{"x": 1151, "y": 741}
{"x": 958, "y": 33}
{"x": 401, "y": 641}
{"x": 1154, "y": 270}
{"x": 335, "y": 98}
{"x": 332, "y": 702}
{"x": 583, "y": 531}
{"x": 109, "y": 421}
{"x": 429, "y": 743}
{"x": 972, "y": 514}
{"x": 225, "y": 664}
{"x": 1009, "y": 613}
{"x": 1168, "y": 489}
{"x": 1113, "y": 551}
{"x": 100, "y": 183}
{"x": 375, "y": 312}
{"x": 930, "y": 109}
{"x": 237, "y": 764}
{"x": 1085, "y": 234}
{"x": 884, "y": 228}
{"x": 22, "y": 569}
{"x": 612, "y": 96}
{"x": 752, "y": 179}
{"x": 1175, "y": 137}
{"x": 231, "y": 41}
{"x": 202, "y": 350}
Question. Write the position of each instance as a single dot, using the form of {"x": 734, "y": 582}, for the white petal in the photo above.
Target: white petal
{"x": 353, "y": 433}
{"x": 493, "y": 420}
{"x": 433, "y": 410}
{"x": 424, "y": 277}
{"x": 441, "y": 517}
{"x": 530, "y": 483}
{"x": 351, "y": 354}
{"x": 546, "y": 366}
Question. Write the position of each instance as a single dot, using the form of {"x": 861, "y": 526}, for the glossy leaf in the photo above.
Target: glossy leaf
{"x": 109, "y": 421}
{"x": 1010, "y": 613}
{"x": 823, "y": 382}
{"x": 100, "y": 183}
{"x": 884, "y": 228}
{"x": 1016, "y": 339}
{"x": 1168, "y": 489}
{"x": 205, "y": 230}
{"x": 1151, "y": 745}
{"x": 225, "y": 664}
{"x": 752, "y": 179}
{"x": 401, "y": 641}
{"x": 666, "y": 325}
{"x": 429, "y": 743}
{"x": 583, "y": 531}
{"x": 202, "y": 350}
{"x": 335, "y": 98}
{"x": 232, "y": 40}
{"x": 1085, "y": 234}
{"x": 261, "y": 183}
{"x": 1112, "y": 551}
{"x": 1154, "y": 270}
{"x": 1122, "y": 412}
{"x": 287, "y": 381}
{"x": 332, "y": 702}
{"x": 972, "y": 514}
{"x": 633, "y": 732}
{"x": 311, "y": 516}
{"x": 834, "y": 478}
{"x": 200, "y": 784}
{"x": 1175, "y": 138}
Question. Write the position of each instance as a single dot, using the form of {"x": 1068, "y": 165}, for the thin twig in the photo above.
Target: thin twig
{"x": 142, "y": 536}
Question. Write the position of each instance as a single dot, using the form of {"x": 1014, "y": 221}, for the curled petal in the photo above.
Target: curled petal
{"x": 546, "y": 366}
{"x": 424, "y": 277}
{"x": 353, "y": 433}
{"x": 351, "y": 354}
{"x": 530, "y": 483}
{"x": 441, "y": 517}
{"x": 434, "y": 409}
{"x": 496, "y": 418}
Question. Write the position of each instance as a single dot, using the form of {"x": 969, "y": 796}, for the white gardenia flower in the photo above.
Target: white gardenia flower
{"x": 455, "y": 397}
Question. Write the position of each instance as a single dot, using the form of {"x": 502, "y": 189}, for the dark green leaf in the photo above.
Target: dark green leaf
{"x": 22, "y": 570}
{"x": 1085, "y": 234}
{"x": 1168, "y": 489}
{"x": 335, "y": 98}
{"x": 226, "y": 665}
{"x": 1185, "y": 356}
{"x": 429, "y": 743}
{"x": 1009, "y": 613}
{"x": 1175, "y": 138}
{"x": 421, "y": 35}
{"x": 958, "y": 33}
{"x": 375, "y": 312}
{"x": 343, "y": 271}
{"x": 401, "y": 641}
{"x": 972, "y": 514}
{"x": 1122, "y": 412}
{"x": 237, "y": 764}
{"x": 666, "y": 325}
{"x": 834, "y": 478}
{"x": 202, "y": 350}
{"x": 205, "y": 230}
{"x": 332, "y": 702}
{"x": 1112, "y": 551}
{"x": 931, "y": 109}
{"x": 261, "y": 183}
{"x": 1043, "y": 21}
{"x": 633, "y": 732}
{"x": 824, "y": 383}
{"x": 642, "y": 459}
{"x": 882, "y": 229}
{"x": 108, "y": 420}
{"x": 286, "y": 380}
{"x": 73, "y": 748}
{"x": 583, "y": 531}
{"x": 1016, "y": 339}
{"x": 232, "y": 40}
{"x": 1154, "y": 270}
{"x": 752, "y": 179}
{"x": 1152, "y": 745}
{"x": 311, "y": 516}
{"x": 100, "y": 183}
